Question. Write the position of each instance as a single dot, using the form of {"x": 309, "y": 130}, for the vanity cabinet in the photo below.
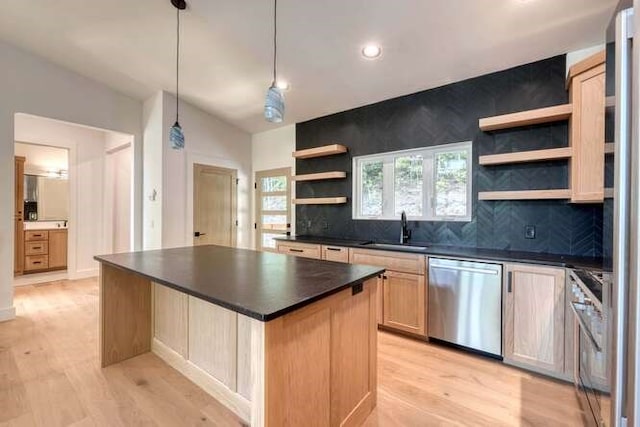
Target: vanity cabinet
{"x": 534, "y": 318}
{"x": 45, "y": 250}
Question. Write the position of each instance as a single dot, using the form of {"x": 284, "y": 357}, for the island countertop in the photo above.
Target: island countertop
{"x": 260, "y": 285}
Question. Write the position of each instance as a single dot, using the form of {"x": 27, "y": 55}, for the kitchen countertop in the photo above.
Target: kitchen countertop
{"x": 257, "y": 284}
{"x": 462, "y": 252}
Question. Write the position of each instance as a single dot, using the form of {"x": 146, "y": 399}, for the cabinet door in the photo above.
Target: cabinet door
{"x": 18, "y": 256}
{"x": 57, "y": 249}
{"x": 534, "y": 317}
{"x": 587, "y": 136}
{"x": 404, "y": 302}
{"x": 379, "y": 300}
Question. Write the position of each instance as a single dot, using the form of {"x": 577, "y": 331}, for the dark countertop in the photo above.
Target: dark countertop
{"x": 257, "y": 284}
{"x": 463, "y": 252}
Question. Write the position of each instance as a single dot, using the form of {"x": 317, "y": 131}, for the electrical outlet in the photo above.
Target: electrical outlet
{"x": 529, "y": 231}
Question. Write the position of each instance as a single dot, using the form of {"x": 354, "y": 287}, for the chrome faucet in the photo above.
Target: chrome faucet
{"x": 405, "y": 233}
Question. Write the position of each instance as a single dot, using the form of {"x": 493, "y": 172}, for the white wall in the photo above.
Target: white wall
{"x": 86, "y": 182}
{"x": 272, "y": 150}
{"x": 208, "y": 140}
{"x": 41, "y": 159}
{"x": 33, "y": 85}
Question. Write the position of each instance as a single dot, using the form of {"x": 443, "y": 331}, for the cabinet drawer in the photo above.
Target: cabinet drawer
{"x": 396, "y": 261}
{"x": 32, "y": 235}
{"x": 36, "y": 248}
{"x": 36, "y": 262}
{"x": 300, "y": 249}
{"x": 335, "y": 253}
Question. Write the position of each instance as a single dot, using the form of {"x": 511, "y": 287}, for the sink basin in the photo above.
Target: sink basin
{"x": 396, "y": 247}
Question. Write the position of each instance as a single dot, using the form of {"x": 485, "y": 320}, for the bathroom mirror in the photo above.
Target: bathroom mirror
{"x": 46, "y": 198}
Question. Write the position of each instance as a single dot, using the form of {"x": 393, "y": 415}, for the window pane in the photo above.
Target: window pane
{"x": 274, "y": 183}
{"x": 274, "y": 203}
{"x": 408, "y": 185}
{"x": 451, "y": 183}
{"x": 371, "y": 189}
{"x": 267, "y": 240}
{"x": 274, "y": 222}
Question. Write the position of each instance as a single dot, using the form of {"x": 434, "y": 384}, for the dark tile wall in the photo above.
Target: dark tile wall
{"x": 446, "y": 115}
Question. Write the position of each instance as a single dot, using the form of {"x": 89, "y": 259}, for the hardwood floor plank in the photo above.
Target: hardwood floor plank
{"x": 50, "y": 375}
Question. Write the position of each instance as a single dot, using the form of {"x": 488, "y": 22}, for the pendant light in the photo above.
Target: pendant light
{"x": 176, "y": 136}
{"x": 274, "y": 104}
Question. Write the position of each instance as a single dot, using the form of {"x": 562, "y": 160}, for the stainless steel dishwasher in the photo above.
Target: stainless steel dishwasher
{"x": 465, "y": 304}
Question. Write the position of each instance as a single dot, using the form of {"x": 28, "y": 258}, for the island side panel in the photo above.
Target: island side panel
{"x": 125, "y": 315}
{"x": 320, "y": 362}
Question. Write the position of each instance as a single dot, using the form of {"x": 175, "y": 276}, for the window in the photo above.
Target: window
{"x": 273, "y": 202}
{"x": 429, "y": 184}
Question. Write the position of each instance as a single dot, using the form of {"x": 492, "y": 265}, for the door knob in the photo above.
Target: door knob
{"x": 198, "y": 234}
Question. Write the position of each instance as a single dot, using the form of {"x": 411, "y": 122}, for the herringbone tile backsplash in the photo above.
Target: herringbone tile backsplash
{"x": 450, "y": 114}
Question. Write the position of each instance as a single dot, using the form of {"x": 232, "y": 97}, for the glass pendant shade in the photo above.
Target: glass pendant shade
{"x": 176, "y": 137}
{"x": 274, "y": 105}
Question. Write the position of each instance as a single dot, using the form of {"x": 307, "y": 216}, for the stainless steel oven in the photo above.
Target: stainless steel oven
{"x": 592, "y": 368}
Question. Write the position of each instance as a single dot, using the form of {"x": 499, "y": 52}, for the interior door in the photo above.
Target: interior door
{"x": 273, "y": 207}
{"x": 214, "y": 205}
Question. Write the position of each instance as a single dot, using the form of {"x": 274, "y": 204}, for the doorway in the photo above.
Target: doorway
{"x": 214, "y": 205}
{"x": 273, "y": 207}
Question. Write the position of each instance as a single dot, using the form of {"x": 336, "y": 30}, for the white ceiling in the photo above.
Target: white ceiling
{"x": 129, "y": 45}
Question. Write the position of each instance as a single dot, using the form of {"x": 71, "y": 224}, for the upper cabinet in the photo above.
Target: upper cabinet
{"x": 586, "y": 130}
{"x": 586, "y": 149}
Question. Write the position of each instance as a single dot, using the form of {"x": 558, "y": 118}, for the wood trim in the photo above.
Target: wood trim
{"x": 125, "y": 315}
{"x": 321, "y": 201}
{"x": 585, "y": 65}
{"x": 326, "y": 150}
{"x": 525, "y": 195}
{"x": 525, "y": 118}
{"x": 526, "y": 156}
{"x": 235, "y": 402}
{"x": 319, "y": 176}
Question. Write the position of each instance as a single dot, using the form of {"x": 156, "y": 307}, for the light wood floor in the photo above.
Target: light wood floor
{"x": 49, "y": 376}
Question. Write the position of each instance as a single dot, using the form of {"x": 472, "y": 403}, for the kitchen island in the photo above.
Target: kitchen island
{"x": 279, "y": 340}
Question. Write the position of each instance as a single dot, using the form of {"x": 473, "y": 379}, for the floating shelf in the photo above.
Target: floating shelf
{"x": 525, "y": 195}
{"x": 609, "y": 148}
{"x": 525, "y": 118}
{"x": 526, "y": 156}
{"x": 319, "y": 176}
{"x": 321, "y": 201}
{"x": 327, "y": 150}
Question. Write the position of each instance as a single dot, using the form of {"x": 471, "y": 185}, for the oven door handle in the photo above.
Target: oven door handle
{"x": 577, "y": 308}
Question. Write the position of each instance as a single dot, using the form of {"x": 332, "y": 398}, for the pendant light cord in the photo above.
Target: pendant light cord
{"x": 275, "y": 40}
{"x": 177, "y": 60}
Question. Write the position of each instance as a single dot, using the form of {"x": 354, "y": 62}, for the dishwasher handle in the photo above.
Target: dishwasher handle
{"x": 465, "y": 269}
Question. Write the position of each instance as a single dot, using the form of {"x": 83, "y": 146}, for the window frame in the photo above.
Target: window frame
{"x": 428, "y": 182}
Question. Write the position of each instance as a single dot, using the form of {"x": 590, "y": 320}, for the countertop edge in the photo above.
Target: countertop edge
{"x": 240, "y": 309}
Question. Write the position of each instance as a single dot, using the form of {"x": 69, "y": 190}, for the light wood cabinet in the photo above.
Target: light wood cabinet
{"x": 44, "y": 250}
{"x": 335, "y": 253}
{"x": 401, "y": 302}
{"x": 586, "y": 134}
{"x": 57, "y": 249}
{"x": 304, "y": 250}
{"x": 18, "y": 217}
{"x": 534, "y": 317}
{"x": 404, "y": 302}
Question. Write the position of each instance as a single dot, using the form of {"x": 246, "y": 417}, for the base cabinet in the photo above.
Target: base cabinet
{"x": 404, "y": 305}
{"x": 534, "y": 317}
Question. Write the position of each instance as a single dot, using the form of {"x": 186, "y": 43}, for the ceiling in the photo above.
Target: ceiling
{"x": 226, "y": 45}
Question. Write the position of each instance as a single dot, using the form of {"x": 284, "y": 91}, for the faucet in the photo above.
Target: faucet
{"x": 405, "y": 233}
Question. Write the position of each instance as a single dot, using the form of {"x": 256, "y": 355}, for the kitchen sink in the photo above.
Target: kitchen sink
{"x": 392, "y": 246}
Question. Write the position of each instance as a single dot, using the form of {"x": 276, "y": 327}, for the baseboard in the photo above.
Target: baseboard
{"x": 232, "y": 400}
{"x": 84, "y": 274}
{"x": 8, "y": 313}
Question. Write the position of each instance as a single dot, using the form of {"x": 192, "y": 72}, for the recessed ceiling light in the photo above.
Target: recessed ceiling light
{"x": 282, "y": 85}
{"x": 371, "y": 51}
